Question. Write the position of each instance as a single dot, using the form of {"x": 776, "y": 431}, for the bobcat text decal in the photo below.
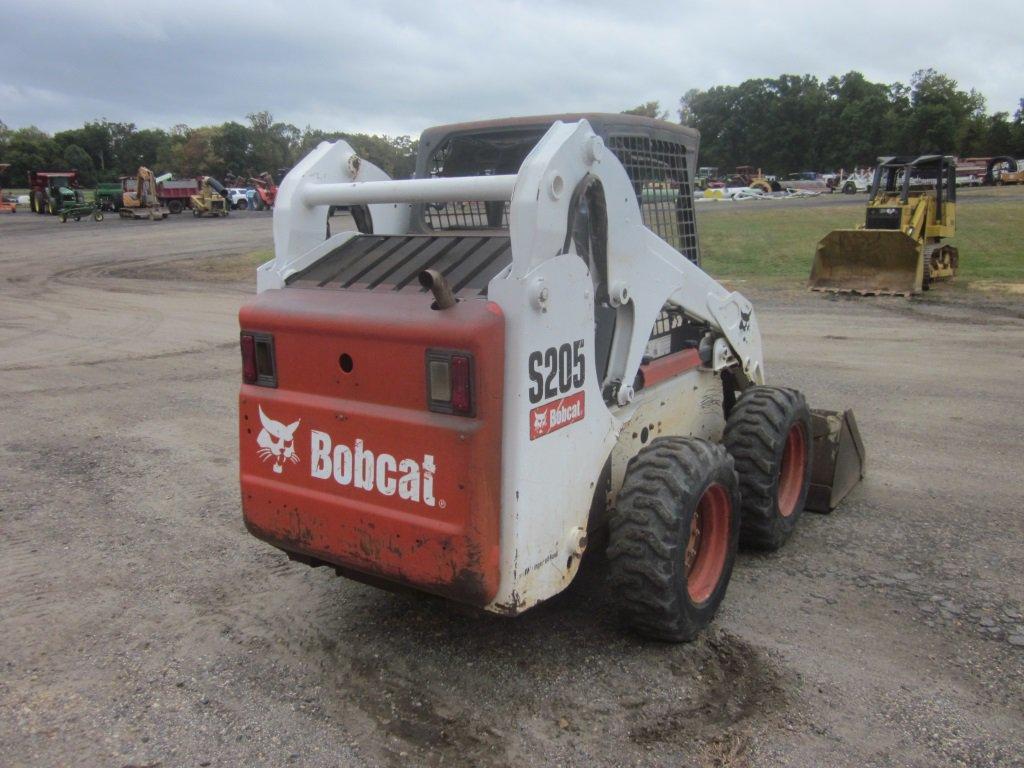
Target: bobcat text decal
{"x": 547, "y": 418}
{"x": 361, "y": 468}
{"x": 553, "y": 372}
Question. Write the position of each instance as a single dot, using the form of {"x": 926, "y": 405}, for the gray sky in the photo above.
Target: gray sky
{"x": 398, "y": 67}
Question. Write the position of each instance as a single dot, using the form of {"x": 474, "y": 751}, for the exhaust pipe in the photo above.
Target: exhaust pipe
{"x": 438, "y": 285}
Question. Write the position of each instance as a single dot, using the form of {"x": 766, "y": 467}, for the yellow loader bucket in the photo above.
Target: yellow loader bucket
{"x": 868, "y": 261}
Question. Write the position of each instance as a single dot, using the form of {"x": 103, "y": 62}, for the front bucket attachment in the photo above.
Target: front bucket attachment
{"x": 868, "y": 261}
{"x": 838, "y": 462}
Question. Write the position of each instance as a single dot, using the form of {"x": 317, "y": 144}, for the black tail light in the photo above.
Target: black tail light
{"x": 259, "y": 365}
{"x": 450, "y": 382}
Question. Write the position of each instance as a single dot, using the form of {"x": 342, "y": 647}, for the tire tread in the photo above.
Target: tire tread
{"x": 756, "y": 429}
{"x": 645, "y": 540}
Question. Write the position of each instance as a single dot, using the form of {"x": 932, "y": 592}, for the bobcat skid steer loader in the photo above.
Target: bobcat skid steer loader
{"x": 505, "y": 360}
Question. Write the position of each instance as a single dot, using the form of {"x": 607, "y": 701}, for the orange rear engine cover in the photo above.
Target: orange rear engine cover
{"x": 351, "y": 467}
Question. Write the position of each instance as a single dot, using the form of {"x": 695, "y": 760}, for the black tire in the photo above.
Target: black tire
{"x": 769, "y": 435}
{"x": 242, "y": 205}
{"x": 668, "y": 584}
{"x": 175, "y": 206}
{"x": 849, "y": 188}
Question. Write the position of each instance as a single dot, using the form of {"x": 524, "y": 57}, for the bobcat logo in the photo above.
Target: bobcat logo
{"x": 745, "y": 320}
{"x": 277, "y": 442}
{"x": 540, "y": 421}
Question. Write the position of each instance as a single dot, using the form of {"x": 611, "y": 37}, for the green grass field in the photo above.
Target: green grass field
{"x": 775, "y": 243}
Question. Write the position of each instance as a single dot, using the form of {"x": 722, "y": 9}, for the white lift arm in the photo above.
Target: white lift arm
{"x": 644, "y": 273}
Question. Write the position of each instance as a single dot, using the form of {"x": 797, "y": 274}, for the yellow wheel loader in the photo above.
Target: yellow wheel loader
{"x": 898, "y": 250}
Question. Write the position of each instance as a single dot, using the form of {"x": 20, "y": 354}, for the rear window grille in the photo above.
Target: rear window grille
{"x": 657, "y": 170}
{"x": 661, "y": 181}
{"x": 470, "y": 214}
{"x": 480, "y": 156}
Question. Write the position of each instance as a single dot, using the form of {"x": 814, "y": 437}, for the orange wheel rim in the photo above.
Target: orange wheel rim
{"x": 708, "y": 544}
{"x": 794, "y": 466}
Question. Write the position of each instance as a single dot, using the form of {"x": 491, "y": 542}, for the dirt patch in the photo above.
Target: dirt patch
{"x": 736, "y": 683}
{"x": 222, "y": 268}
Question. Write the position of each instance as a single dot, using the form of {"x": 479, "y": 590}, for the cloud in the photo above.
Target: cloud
{"x": 397, "y": 67}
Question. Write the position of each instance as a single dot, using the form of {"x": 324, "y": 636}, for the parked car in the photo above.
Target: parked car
{"x": 238, "y": 197}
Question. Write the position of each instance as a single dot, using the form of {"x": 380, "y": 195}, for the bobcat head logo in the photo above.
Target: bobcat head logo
{"x": 277, "y": 442}
{"x": 745, "y": 320}
{"x": 540, "y": 421}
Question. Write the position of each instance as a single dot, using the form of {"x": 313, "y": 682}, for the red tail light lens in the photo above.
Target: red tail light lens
{"x": 450, "y": 382}
{"x": 462, "y": 401}
{"x": 259, "y": 363}
{"x": 248, "y": 359}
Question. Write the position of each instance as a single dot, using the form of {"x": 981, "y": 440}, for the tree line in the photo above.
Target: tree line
{"x": 798, "y": 122}
{"x": 783, "y": 124}
{"x": 102, "y": 150}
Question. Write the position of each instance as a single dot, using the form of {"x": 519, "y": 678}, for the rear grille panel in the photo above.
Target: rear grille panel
{"x": 394, "y": 262}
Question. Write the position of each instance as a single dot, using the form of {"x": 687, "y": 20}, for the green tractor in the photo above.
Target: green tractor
{"x": 53, "y": 191}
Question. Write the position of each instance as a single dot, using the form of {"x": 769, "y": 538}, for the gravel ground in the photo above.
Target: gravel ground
{"x": 141, "y": 625}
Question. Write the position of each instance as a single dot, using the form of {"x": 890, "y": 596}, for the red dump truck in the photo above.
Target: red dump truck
{"x": 172, "y": 193}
